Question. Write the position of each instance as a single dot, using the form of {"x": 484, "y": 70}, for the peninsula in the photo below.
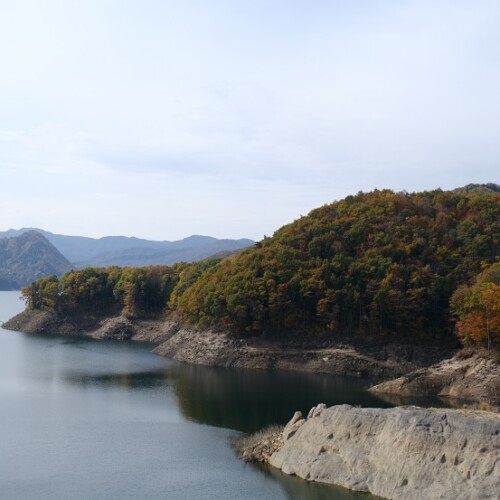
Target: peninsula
{"x": 378, "y": 284}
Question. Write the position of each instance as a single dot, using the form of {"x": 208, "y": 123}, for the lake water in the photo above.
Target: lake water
{"x": 86, "y": 419}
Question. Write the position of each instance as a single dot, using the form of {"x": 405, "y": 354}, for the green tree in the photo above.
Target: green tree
{"x": 42, "y": 294}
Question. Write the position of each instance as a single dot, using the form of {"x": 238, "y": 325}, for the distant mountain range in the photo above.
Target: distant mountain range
{"x": 26, "y": 258}
{"x": 30, "y": 253}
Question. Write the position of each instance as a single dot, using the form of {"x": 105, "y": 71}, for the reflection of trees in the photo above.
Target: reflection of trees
{"x": 248, "y": 400}
{"x": 139, "y": 380}
{"x": 436, "y": 402}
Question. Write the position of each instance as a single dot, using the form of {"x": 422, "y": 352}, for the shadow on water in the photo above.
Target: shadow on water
{"x": 435, "y": 402}
{"x": 247, "y": 400}
{"x": 239, "y": 399}
{"x": 298, "y": 489}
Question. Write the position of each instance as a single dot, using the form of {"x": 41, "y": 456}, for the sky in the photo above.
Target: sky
{"x": 161, "y": 119}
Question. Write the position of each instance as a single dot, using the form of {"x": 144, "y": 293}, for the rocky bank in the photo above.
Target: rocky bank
{"x": 222, "y": 349}
{"x": 474, "y": 378}
{"x": 398, "y": 453}
{"x": 212, "y": 348}
{"x": 91, "y": 325}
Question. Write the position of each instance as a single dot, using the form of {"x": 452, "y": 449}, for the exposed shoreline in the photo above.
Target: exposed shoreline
{"x": 469, "y": 378}
{"x": 397, "y": 453}
{"x": 419, "y": 368}
{"x": 210, "y": 348}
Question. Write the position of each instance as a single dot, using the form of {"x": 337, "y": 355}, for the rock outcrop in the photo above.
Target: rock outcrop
{"x": 475, "y": 378}
{"x": 398, "y": 453}
{"x": 117, "y": 327}
{"x": 219, "y": 348}
{"x": 213, "y": 348}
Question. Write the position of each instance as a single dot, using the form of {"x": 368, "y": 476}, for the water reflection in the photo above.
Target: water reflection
{"x": 92, "y": 419}
{"x": 139, "y": 380}
{"x": 239, "y": 399}
{"x": 247, "y": 400}
{"x": 435, "y": 402}
{"x": 243, "y": 400}
{"x": 298, "y": 489}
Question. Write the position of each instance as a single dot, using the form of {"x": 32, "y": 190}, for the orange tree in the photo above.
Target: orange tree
{"x": 477, "y": 309}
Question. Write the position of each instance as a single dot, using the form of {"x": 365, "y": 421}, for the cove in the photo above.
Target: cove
{"x": 84, "y": 419}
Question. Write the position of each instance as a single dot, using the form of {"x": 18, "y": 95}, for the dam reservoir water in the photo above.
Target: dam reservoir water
{"x": 87, "y": 419}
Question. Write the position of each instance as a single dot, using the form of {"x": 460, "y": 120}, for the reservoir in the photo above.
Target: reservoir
{"x": 86, "y": 419}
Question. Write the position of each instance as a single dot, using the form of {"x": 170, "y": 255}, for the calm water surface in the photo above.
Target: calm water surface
{"x": 85, "y": 419}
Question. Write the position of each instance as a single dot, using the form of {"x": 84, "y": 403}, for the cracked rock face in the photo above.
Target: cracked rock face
{"x": 400, "y": 453}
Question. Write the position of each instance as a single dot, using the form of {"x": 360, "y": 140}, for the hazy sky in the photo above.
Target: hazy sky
{"x": 230, "y": 118}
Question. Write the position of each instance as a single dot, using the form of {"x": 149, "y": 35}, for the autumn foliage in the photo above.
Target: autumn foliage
{"x": 477, "y": 308}
{"x": 378, "y": 264}
{"x": 134, "y": 291}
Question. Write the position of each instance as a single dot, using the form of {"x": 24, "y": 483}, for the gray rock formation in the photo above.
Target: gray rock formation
{"x": 292, "y": 426}
{"x": 474, "y": 378}
{"x": 398, "y": 453}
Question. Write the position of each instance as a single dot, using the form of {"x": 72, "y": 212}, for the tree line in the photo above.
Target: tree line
{"x": 376, "y": 264}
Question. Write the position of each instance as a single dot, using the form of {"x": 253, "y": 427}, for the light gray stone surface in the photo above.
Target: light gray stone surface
{"x": 474, "y": 378}
{"x": 398, "y": 453}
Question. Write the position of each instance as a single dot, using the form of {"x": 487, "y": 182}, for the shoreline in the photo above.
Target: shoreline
{"x": 414, "y": 370}
{"x": 468, "y": 377}
{"x": 400, "y": 453}
{"x": 210, "y": 348}
{"x": 397, "y": 453}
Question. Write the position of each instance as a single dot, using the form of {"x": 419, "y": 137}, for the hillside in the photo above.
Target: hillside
{"x": 26, "y": 258}
{"x": 376, "y": 265}
{"x": 129, "y": 251}
{"x": 490, "y": 187}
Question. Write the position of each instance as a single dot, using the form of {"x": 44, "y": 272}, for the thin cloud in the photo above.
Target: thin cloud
{"x": 232, "y": 118}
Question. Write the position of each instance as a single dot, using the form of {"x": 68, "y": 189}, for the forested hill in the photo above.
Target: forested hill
{"x": 375, "y": 264}
{"x": 479, "y": 188}
{"x": 26, "y": 258}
